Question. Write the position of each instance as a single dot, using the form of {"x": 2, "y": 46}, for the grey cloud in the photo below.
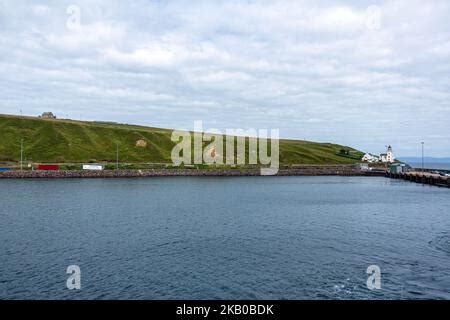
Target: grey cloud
{"x": 314, "y": 69}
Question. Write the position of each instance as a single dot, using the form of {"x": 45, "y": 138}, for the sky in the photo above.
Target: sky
{"x": 360, "y": 73}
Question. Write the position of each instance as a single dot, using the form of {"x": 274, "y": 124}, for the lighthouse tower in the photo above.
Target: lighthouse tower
{"x": 390, "y": 155}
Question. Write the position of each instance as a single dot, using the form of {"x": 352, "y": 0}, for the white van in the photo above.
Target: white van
{"x": 92, "y": 167}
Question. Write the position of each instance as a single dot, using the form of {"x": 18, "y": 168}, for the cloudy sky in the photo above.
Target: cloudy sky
{"x": 360, "y": 73}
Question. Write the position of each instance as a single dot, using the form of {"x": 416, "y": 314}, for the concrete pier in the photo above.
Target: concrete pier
{"x": 422, "y": 177}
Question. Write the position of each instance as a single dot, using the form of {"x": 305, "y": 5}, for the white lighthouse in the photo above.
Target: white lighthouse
{"x": 387, "y": 157}
{"x": 390, "y": 155}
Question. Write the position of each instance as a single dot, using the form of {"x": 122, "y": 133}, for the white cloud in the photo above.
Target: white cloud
{"x": 96, "y": 35}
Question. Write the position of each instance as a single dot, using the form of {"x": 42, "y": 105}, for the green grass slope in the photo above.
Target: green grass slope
{"x": 72, "y": 141}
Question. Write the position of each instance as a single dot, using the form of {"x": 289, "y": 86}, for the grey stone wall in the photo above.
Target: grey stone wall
{"x": 304, "y": 171}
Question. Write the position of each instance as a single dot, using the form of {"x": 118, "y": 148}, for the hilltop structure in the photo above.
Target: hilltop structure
{"x": 47, "y": 115}
{"x": 387, "y": 157}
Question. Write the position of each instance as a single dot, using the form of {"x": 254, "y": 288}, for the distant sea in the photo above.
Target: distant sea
{"x": 430, "y": 165}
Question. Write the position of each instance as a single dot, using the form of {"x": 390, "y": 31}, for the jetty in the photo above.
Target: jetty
{"x": 430, "y": 178}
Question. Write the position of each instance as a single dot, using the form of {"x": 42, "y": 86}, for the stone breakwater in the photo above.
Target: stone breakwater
{"x": 305, "y": 171}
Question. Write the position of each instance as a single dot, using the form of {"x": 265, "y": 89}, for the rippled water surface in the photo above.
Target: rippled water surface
{"x": 224, "y": 238}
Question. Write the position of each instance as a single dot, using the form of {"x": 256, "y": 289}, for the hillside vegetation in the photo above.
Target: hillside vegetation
{"x": 69, "y": 141}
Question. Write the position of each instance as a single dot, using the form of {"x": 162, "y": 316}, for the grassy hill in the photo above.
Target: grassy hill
{"x": 72, "y": 141}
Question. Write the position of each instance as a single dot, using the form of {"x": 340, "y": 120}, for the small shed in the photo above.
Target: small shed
{"x": 398, "y": 168}
{"x": 362, "y": 166}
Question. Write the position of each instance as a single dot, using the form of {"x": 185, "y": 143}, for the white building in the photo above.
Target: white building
{"x": 370, "y": 158}
{"x": 384, "y": 157}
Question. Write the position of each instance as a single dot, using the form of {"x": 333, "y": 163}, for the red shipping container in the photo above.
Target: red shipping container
{"x": 48, "y": 167}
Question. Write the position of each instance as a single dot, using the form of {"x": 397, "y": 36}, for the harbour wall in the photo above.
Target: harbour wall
{"x": 300, "y": 171}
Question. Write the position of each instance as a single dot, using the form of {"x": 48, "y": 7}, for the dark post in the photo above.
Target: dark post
{"x": 21, "y": 155}
{"x": 422, "y": 157}
{"x": 117, "y": 156}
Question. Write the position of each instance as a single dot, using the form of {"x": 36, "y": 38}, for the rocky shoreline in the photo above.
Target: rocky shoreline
{"x": 304, "y": 171}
